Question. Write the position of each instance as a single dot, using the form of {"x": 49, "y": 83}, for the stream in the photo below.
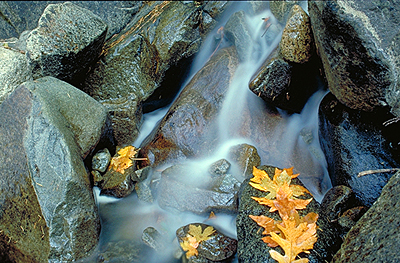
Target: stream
{"x": 295, "y": 138}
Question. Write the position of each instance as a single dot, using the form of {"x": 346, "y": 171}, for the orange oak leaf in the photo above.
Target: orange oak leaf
{"x": 284, "y": 203}
{"x": 263, "y": 182}
{"x": 269, "y": 226}
{"x": 297, "y": 239}
{"x": 124, "y": 159}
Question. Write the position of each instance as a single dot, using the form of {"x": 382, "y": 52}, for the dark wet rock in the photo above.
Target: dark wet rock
{"x": 297, "y": 39}
{"x": 153, "y": 239}
{"x": 281, "y": 9}
{"x": 14, "y": 70}
{"x": 50, "y": 210}
{"x": 244, "y": 156}
{"x": 250, "y": 246}
{"x": 219, "y": 247}
{"x": 117, "y": 184}
{"x": 272, "y": 82}
{"x": 375, "y": 237}
{"x": 16, "y": 20}
{"x": 337, "y": 200}
{"x": 141, "y": 174}
{"x": 183, "y": 131}
{"x": 356, "y": 41}
{"x": 135, "y": 61}
{"x": 67, "y": 41}
{"x": 354, "y": 141}
{"x": 350, "y": 217}
{"x": 237, "y": 31}
{"x": 101, "y": 160}
{"x": 219, "y": 167}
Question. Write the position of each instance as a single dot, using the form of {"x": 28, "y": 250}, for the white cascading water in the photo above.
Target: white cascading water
{"x": 125, "y": 219}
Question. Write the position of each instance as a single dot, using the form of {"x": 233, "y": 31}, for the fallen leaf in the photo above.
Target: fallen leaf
{"x": 263, "y": 182}
{"x": 124, "y": 159}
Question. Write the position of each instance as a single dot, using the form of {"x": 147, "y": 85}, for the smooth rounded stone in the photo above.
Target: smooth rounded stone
{"x": 101, "y": 160}
{"x": 354, "y": 141}
{"x": 357, "y": 43}
{"x": 67, "y": 41}
{"x": 297, "y": 40}
{"x": 219, "y": 247}
{"x": 250, "y": 246}
{"x": 14, "y": 70}
{"x": 153, "y": 239}
{"x": 280, "y": 9}
{"x": 375, "y": 238}
{"x": 337, "y": 200}
{"x": 52, "y": 187}
{"x": 245, "y": 157}
{"x": 350, "y": 217}
{"x": 219, "y": 167}
{"x": 237, "y": 31}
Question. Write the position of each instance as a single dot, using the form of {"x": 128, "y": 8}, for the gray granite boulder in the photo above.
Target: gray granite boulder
{"x": 14, "y": 70}
{"x": 67, "y": 41}
{"x": 357, "y": 43}
{"x": 47, "y": 209}
{"x": 16, "y": 20}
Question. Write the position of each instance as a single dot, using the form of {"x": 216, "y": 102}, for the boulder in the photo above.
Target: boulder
{"x": 14, "y": 70}
{"x": 183, "y": 131}
{"x": 67, "y": 41}
{"x": 374, "y": 238}
{"x": 354, "y": 141}
{"x": 297, "y": 39}
{"x": 48, "y": 209}
{"x": 130, "y": 74}
{"x": 238, "y": 33}
{"x": 356, "y": 41}
{"x": 115, "y": 13}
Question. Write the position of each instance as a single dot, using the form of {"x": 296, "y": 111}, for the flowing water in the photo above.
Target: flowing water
{"x": 292, "y": 141}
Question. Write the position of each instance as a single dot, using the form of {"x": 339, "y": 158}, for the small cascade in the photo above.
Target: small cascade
{"x": 293, "y": 141}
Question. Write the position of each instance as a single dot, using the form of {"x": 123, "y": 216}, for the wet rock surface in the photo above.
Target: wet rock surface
{"x": 297, "y": 39}
{"x": 67, "y": 41}
{"x": 135, "y": 61}
{"x": 16, "y": 20}
{"x": 14, "y": 71}
{"x": 215, "y": 249}
{"x": 183, "y": 131}
{"x": 48, "y": 190}
{"x": 250, "y": 246}
{"x": 374, "y": 237}
{"x": 281, "y": 9}
{"x": 353, "y": 142}
{"x": 356, "y": 43}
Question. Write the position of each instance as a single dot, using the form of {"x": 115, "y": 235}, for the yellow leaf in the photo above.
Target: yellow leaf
{"x": 191, "y": 251}
{"x": 124, "y": 160}
{"x": 199, "y": 234}
{"x": 262, "y": 182}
